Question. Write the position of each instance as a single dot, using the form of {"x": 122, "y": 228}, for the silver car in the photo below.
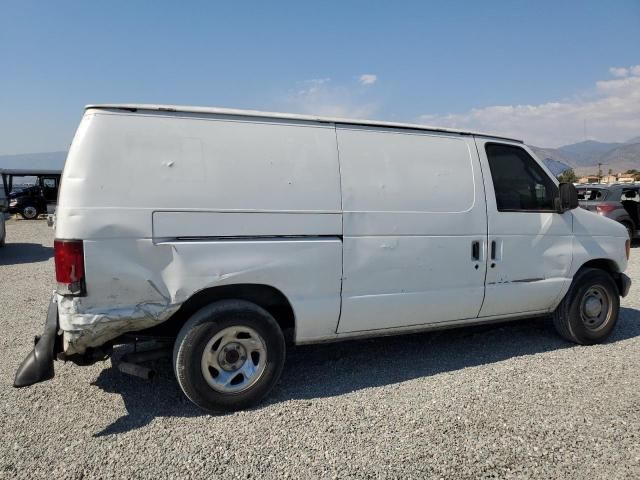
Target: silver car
{"x": 618, "y": 202}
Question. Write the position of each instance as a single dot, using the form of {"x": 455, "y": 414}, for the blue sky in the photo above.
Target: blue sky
{"x": 535, "y": 69}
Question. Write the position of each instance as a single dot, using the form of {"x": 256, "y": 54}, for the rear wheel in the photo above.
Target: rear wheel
{"x": 229, "y": 355}
{"x": 589, "y": 312}
{"x": 29, "y": 212}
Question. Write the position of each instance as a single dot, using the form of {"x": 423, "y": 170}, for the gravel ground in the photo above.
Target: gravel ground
{"x": 507, "y": 401}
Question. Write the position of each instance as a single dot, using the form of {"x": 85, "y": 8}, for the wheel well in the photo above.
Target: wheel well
{"x": 267, "y": 297}
{"x": 608, "y": 266}
{"x": 603, "y": 264}
{"x": 629, "y": 223}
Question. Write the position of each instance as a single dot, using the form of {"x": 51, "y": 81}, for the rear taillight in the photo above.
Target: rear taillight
{"x": 69, "y": 257}
{"x": 605, "y": 208}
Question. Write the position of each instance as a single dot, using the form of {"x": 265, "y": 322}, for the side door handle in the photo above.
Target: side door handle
{"x": 493, "y": 253}
{"x": 475, "y": 250}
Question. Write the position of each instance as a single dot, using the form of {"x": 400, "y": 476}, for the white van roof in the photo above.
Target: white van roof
{"x": 287, "y": 116}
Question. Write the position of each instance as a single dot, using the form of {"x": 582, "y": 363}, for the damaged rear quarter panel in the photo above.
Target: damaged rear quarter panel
{"x": 136, "y": 284}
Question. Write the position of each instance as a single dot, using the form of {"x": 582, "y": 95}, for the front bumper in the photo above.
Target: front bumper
{"x": 38, "y": 365}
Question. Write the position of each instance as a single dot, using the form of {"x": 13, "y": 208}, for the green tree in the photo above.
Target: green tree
{"x": 568, "y": 176}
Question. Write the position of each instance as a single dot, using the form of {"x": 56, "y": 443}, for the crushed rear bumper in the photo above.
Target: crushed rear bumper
{"x": 38, "y": 365}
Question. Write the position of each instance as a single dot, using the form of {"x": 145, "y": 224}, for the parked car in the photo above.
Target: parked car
{"x": 4, "y": 204}
{"x": 228, "y": 233}
{"x": 618, "y": 202}
{"x": 34, "y": 200}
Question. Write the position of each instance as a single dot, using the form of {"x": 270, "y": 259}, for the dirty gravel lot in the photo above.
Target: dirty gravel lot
{"x": 507, "y": 401}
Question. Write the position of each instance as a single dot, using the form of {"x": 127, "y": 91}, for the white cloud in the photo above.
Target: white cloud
{"x": 619, "y": 71}
{"x": 321, "y": 96}
{"x": 368, "y": 79}
{"x": 611, "y": 112}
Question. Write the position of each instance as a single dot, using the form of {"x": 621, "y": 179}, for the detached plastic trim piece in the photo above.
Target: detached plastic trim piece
{"x": 38, "y": 365}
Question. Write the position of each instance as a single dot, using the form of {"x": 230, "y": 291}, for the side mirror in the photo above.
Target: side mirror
{"x": 567, "y": 198}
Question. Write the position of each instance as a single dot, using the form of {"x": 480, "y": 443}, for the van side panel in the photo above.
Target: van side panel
{"x": 139, "y": 164}
{"x": 230, "y": 224}
{"x": 413, "y": 206}
{"x": 169, "y": 204}
{"x": 138, "y": 284}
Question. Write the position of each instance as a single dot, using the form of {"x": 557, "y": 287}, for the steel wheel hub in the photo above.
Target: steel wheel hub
{"x": 234, "y": 359}
{"x": 232, "y": 356}
{"x": 595, "y": 307}
{"x": 592, "y": 307}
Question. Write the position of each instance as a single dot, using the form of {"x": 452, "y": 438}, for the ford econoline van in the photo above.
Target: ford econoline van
{"x": 227, "y": 234}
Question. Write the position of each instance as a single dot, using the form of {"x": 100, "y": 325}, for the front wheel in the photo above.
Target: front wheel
{"x": 229, "y": 355}
{"x": 589, "y": 312}
{"x": 29, "y": 212}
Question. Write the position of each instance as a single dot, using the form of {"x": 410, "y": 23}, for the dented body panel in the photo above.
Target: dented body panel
{"x": 364, "y": 229}
{"x": 139, "y": 284}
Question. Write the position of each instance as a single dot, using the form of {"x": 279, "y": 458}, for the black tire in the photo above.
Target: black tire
{"x": 568, "y": 319}
{"x": 629, "y": 228}
{"x": 29, "y": 212}
{"x": 195, "y": 336}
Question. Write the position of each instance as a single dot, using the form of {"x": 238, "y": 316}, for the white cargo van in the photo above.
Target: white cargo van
{"x": 229, "y": 232}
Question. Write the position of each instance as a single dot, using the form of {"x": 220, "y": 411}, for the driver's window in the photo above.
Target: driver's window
{"x": 520, "y": 184}
{"x": 49, "y": 183}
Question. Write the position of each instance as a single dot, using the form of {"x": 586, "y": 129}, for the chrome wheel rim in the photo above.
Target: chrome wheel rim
{"x": 30, "y": 212}
{"x": 596, "y": 307}
{"x": 234, "y": 359}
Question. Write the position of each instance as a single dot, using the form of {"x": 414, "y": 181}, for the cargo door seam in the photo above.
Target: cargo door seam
{"x": 486, "y": 213}
{"x": 335, "y": 131}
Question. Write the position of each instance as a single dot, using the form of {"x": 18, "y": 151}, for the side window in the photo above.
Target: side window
{"x": 521, "y": 185}
{"x": 591, "y": 195}
{"x": 631, "y": 195}
{"x": 49, "y": 182}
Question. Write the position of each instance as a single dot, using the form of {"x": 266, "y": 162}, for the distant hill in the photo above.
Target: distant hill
{"x": 588, "y": 152}
{"x": 37, "y": 161}
{"x": 584, "y": 157}
{"x": 625, "y": 157}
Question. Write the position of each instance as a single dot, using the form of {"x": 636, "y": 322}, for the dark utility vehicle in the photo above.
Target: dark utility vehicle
{"x": 33, "y": 200}
{"x": 618, "y": 202}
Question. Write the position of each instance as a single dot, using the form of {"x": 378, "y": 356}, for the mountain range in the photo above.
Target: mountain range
{"x": 34, "y": 161}
{"x": 584, "y": 157}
